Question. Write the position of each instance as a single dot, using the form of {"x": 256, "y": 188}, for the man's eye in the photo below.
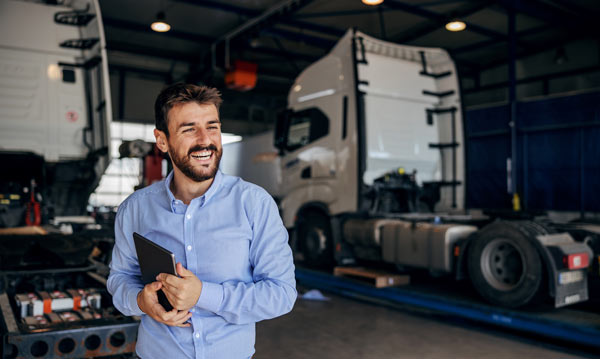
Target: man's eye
{"x": 188, "y": 130}
{"x": 213, "y": 127}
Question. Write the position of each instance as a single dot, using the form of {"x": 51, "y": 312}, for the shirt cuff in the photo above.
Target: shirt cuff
{"x": 133, "y": 305}
{"x": 211, "y": 297}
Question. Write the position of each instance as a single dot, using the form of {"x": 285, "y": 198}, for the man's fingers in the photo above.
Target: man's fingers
{"x": 168, "y": 279}
{"x": 154, "y": 286}
{"x": 168, "y": 316}
{"x": 162, "y": 277}
{"x": 181, "y": 317}
{"x": 171, "y": 287}
{"x": 158, "y": 310}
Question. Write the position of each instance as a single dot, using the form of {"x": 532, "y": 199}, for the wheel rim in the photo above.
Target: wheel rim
{"x": 315, "y": 242}
{"x": 503, "y": 264}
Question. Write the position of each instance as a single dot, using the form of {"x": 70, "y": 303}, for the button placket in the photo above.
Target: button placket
{"x": 189, "y": 236}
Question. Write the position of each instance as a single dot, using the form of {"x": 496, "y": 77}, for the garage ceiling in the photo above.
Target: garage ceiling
{"x": 302, "y": 31}
{"x": 285, "y": 36}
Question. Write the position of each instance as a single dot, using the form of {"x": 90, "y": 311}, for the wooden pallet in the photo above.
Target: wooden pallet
{"x": 377, "y": 278}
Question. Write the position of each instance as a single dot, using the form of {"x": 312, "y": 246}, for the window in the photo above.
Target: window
{"x": 305, "y": 127}
{"x": 123, "y": 174}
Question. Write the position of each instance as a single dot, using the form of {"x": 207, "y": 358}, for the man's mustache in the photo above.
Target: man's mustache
{"x": 196, "y": 148}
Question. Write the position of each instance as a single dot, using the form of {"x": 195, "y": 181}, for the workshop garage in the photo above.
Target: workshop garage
{"x": 299, "y": 178}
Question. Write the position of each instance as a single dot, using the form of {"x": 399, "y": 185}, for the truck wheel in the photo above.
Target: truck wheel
{"x": 315, "y": 241}
{"x": 504, "y": 266}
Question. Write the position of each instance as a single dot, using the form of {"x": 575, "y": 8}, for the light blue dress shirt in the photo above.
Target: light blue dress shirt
{"x": 232, "y": 238}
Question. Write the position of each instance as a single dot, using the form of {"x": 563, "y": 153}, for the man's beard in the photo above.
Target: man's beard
{"x": 184, "y": 165}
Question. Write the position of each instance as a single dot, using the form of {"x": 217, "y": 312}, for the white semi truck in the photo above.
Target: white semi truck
{"x": 55, "y": 116}
{"x": 55, "y": 109}
{"x": 371, "y": 155}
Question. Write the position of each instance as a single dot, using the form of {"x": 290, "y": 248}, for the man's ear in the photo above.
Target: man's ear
{"x": 161, "y": 140}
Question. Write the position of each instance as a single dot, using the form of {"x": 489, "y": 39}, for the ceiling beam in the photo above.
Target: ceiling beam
{"x": 133, "y": 26}
{"x": 483, "y": 44}
{"x": 415, "y": 10}
{"x": 252, "y": 13}
{"x": 582, "y": 23}
{"x": 429, "y": 27}
{"x": 252, "y": 27}
{"x": 530, "y": 51}
{"x": 135, "y": 49}
{"x": 337, "y": 13}
{"x": 190, "y": 57}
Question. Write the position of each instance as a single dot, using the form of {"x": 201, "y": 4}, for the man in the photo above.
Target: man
{"x": 234, "y": 265}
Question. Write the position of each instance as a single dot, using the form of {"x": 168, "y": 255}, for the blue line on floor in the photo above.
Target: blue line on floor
{"x": 479, "y": 312}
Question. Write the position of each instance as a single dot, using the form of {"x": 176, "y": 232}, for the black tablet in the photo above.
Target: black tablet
{"x": 154, "y": 260}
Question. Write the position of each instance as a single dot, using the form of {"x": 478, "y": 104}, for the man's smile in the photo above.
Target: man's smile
{"x": 202, "y": 155}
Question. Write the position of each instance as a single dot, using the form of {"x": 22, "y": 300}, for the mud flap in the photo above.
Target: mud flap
{"x": 567, "y": 286}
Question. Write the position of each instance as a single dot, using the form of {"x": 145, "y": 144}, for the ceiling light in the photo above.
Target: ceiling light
{"x": 372, "y": 2}
{"x": 455, "y": 25}
{"x": 160, "y": 25}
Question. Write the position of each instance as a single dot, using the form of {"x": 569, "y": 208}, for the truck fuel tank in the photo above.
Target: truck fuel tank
{"x": 422, "y": 244}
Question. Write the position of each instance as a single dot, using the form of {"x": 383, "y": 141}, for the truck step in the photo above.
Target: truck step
{"x": 438, "y": 94}
{"x": 376, "y": 278}
{"x": 73, "y": 18}
{"x": 443, "y": 145}
{"x": 83, "y": 44}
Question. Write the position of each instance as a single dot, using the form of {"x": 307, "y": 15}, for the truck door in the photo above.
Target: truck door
{"x": 308, "y": 162}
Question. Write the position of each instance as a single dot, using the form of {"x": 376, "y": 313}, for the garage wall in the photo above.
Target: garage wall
{"x": 558, "y": 152}
{"x": 574, "y": 66}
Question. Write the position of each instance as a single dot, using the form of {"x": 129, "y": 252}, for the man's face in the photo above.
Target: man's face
{"x": 194, "y": 142}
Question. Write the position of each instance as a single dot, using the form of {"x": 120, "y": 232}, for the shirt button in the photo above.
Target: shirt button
{"x": 188, "y": 216}
{"x": 189, "y": 248}
{"x": 197, "y": 335}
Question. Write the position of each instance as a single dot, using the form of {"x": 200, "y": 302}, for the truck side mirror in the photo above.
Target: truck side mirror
{"x": 281, "y": 130}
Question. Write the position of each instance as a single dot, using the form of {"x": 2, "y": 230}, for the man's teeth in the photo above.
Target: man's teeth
{"x": 202, "y": 155}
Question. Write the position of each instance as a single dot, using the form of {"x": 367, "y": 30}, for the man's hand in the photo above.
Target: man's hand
{"x": 183, "y": 291}
{"x": 147, "y": 300}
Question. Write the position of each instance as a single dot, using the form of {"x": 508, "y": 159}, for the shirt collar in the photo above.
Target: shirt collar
{"x": 204, "y": 198}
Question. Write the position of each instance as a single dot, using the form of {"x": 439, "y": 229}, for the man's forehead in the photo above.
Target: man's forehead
{"x": 206, "y": 112}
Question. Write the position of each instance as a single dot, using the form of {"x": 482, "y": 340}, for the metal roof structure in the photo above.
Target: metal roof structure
{"x": 285, "y": 36}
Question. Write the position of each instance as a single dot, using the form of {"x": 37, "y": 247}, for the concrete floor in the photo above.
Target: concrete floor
{"x": 348, "y": 328}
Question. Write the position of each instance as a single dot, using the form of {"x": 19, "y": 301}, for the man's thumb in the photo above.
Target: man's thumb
{"x": 156, "y": 286}
{"x": 182, "y": 271}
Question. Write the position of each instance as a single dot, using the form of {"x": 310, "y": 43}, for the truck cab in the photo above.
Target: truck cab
{"x": 373, "y": 127}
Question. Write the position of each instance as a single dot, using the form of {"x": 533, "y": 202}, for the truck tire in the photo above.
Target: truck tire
{"x": 314, "y": 234}
{"x": 504, "y": 265}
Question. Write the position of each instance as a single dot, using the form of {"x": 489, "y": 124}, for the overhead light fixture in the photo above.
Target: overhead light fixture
{"x": 160, "y": 25}
{"x": 372, "y": 2}
{"x": 456, "y": 25}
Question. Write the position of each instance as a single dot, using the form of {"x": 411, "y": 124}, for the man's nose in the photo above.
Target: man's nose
{"x": 202, "y": 137}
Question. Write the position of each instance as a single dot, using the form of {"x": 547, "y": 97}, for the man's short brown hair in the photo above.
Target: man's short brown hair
{"x": 181, "y": 93}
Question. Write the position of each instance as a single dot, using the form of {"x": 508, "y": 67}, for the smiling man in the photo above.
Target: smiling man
{"x": 234, "y": 267}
